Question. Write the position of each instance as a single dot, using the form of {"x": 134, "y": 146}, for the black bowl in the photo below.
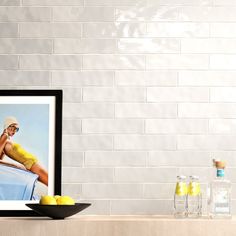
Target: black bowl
{"x": 58, "y": 211}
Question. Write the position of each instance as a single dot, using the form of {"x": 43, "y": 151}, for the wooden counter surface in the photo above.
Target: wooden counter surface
{"x": 116, "y": 226}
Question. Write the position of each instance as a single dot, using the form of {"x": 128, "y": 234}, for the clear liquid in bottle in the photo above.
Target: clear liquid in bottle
{"x": 180, "y": 197}
{"x": 219, "y": 202}
{"x": 194, "y": 198}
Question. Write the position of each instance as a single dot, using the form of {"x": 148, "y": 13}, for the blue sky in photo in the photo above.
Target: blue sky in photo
{"x": 33, "y": 120}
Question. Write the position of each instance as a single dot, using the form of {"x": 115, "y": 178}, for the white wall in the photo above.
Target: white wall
{"x": 149, "y": 91}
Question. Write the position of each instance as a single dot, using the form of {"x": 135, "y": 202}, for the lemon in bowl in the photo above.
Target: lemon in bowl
{"x": 57, "y": 207}
{"x": 65, "y": 200}
{"x": 47, "y": 200}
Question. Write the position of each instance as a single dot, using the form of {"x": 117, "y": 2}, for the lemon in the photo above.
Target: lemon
{"x": 56, "y": 197}
{"x": 47, "y": 200}
{"x": 65, "y": 200}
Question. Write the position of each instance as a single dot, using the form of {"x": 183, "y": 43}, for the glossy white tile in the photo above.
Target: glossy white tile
{"x": 50, "y": 30}
{"x": 84, "y": 142}
{"x": 113, "y": 2}
{"x": 52, "y": 3}
{"x": 148, "y": 45}
{"x": 147, "y": 13}
{"x": 177, "y": 94}
{"x": 207, "y": 14}
{"x": 82, "y": 78}
{"x": 10, "y": 3}
{"x": 47, "y": 62}
{"x": 176, "y": 126}
{"x": 112, "y": 126}
{"x": 21, "y": 14}
{"x": 207, "y": 78}
{"x": 114, "y": 29}
{"x": 177, "y": 29}
{"x": 207, "y": 110}
{"x": 222, "y": 61}
{"x": 208, "y": 46}
{"x": 177, "y": 61}
{"x": 222, "y": 126}
{"x": 182, "y": 2}
{"x": 71, "y": 159}
{"x": 122, "y": 94}
{"x": 24, "y": 78}
{"x": 206, "y": 142}
{"x": 83, "y": 14}
{"x": 144, "y": 142}
{"x": 226, "y": 94}
{"x": 84, "y": 46}
{"x": 113, "y": 62}
{"x": 26, "y": 46}
{"x": 146, "y": 78}
{"x": 8, "y": 62}
{"x": 86, "y": 175}
{"x": 115, "y": 159}
{"x": 146, "y": 175}
{"x": 8, "y": 30}
{"x": 141, "y": 206}
{"x": 88, "y": 110}
{"x": 72, "y": 126}
{"x": 224, "y": 2}
{"x": 145, "y": 110}
{"x": 178, "y": 158}
{"x": 112, "y": 191}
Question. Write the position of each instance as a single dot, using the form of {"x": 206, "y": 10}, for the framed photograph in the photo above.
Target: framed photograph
{"x": 30, "y": 148}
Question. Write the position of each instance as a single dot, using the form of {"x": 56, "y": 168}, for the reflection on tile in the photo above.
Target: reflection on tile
{"x": 113, "y": 30}
{"x": 178, "y": 29}
{"x": 83, "y": 14}
{"x": 113, "y": 62}
{"x": 148, "y": 45}
{"x": 210, "y": 14}
{"x": 178, "y": 61}
{"x": 149, "y": 13}
{"x": 183, "y": 2}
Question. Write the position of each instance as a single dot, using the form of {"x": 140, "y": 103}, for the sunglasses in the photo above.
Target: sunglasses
{"x": 14, "y": 128}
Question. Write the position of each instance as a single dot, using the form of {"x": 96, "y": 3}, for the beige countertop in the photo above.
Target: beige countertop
{"x": 117, "y": 226}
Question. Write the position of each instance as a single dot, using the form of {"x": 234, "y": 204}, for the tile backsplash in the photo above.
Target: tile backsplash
{"x": 149, "y": 92}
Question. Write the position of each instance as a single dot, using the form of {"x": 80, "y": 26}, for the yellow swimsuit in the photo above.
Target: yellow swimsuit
{"x": 17, "y": 153}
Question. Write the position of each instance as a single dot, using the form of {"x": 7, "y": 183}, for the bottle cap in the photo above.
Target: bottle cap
{"x": 194, "y": 177}
{"x": 181, "y": 177}
{"x": 219, "y": 164}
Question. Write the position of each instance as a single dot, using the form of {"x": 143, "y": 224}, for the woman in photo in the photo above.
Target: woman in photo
{"x": 17, "y": 153}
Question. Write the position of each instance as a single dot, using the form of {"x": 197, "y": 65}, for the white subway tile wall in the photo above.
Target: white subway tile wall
{"x": 149, "y": 92}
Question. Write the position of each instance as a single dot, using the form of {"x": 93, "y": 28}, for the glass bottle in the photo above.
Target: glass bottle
{"x": 219, "y": 202}
{"x": 194, "y": 198}
{"x": 180, "y": 197}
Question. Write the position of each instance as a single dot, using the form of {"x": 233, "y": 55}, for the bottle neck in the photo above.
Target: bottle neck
{"x": 220, "y": 173}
